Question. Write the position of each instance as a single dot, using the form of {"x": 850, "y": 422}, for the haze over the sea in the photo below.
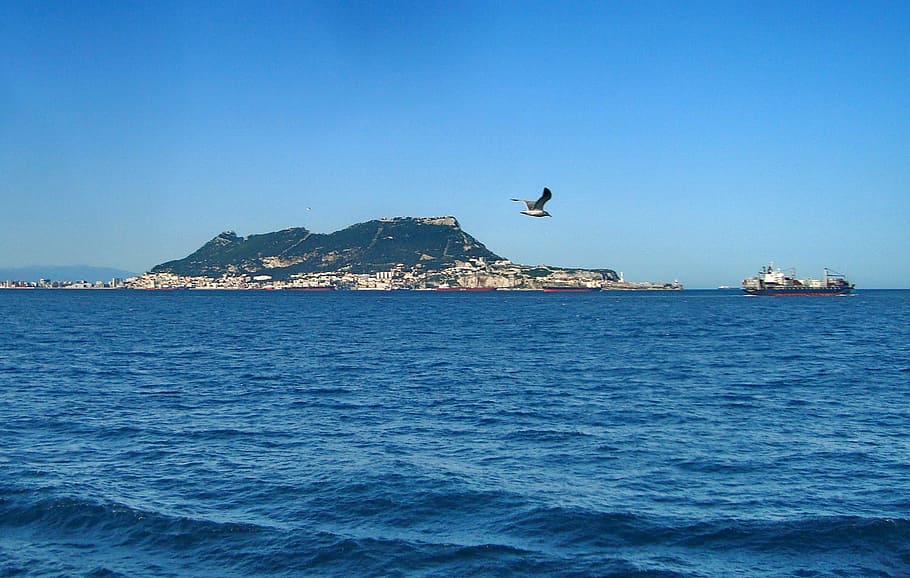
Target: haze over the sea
{"x": 690, "y": 141}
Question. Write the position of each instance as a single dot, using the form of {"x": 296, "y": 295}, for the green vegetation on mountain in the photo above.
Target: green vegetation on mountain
{"x": 379, "y": 245}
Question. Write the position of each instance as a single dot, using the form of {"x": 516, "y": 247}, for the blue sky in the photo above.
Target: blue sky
{"x": 682, "y": 140}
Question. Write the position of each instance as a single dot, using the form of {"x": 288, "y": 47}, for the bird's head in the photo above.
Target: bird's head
{"x": 546, "y": 214}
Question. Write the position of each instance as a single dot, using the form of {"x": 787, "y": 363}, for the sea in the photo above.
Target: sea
{"x": 409, "y": 433}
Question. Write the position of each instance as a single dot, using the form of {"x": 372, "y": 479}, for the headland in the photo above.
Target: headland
{"x": 401, "y": 253}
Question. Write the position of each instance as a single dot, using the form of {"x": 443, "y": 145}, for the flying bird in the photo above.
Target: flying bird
{"x": 535, "y": 208}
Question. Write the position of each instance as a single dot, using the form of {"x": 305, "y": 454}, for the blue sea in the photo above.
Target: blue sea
{"x": 248, "y": 433}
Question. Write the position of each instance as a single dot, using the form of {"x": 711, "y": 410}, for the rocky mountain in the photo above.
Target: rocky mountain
{"x": 379, "y": 245}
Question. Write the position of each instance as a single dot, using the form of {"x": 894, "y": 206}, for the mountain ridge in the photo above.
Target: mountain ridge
{"x": 370, "y": 246}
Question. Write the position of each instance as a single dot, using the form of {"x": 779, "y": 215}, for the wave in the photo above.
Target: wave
{"x": 811, "y": 546}
{"x": 135, "y": 526}
{"x": 396, "y": 557}
{"x": 67, "y": 535}
{"x": 437, "y": 532}
{"x": 820, "y": 533}
{"x": 70, "y": 535}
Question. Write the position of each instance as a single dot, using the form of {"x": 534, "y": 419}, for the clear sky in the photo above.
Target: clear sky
{"x": 682, "y": 140}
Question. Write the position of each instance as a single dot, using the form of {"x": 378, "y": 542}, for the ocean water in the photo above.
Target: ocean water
{"x": 694, "y": 433}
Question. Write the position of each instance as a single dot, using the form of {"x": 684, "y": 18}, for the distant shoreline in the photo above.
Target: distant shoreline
{"x": 365, "y": 290}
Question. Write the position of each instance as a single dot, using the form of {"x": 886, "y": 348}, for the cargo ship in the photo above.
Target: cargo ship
{"x": 771, "y": 281}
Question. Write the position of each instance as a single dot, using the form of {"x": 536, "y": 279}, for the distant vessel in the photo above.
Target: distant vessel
{"x": 771, "y": 281}
{"x": 312, "y": 288}
{"x": 567, "y": 289}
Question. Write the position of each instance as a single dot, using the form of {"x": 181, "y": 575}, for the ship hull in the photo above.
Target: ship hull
{"x": 799, "y": 292}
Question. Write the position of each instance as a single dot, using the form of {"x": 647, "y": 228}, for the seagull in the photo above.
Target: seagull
{"x": 535, "y": 208}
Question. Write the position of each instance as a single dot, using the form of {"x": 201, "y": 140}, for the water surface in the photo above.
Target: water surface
{"x": 694, "y": 433}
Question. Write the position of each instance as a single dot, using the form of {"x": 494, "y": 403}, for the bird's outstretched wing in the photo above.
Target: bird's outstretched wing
{"x": 546, "y": 196}
{"x": 529, "y": 204}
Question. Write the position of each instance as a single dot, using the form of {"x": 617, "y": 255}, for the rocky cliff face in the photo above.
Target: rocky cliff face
{"x": 435, "y": 243}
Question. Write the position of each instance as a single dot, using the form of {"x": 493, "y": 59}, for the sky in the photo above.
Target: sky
{"x": 691, "y": 141}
